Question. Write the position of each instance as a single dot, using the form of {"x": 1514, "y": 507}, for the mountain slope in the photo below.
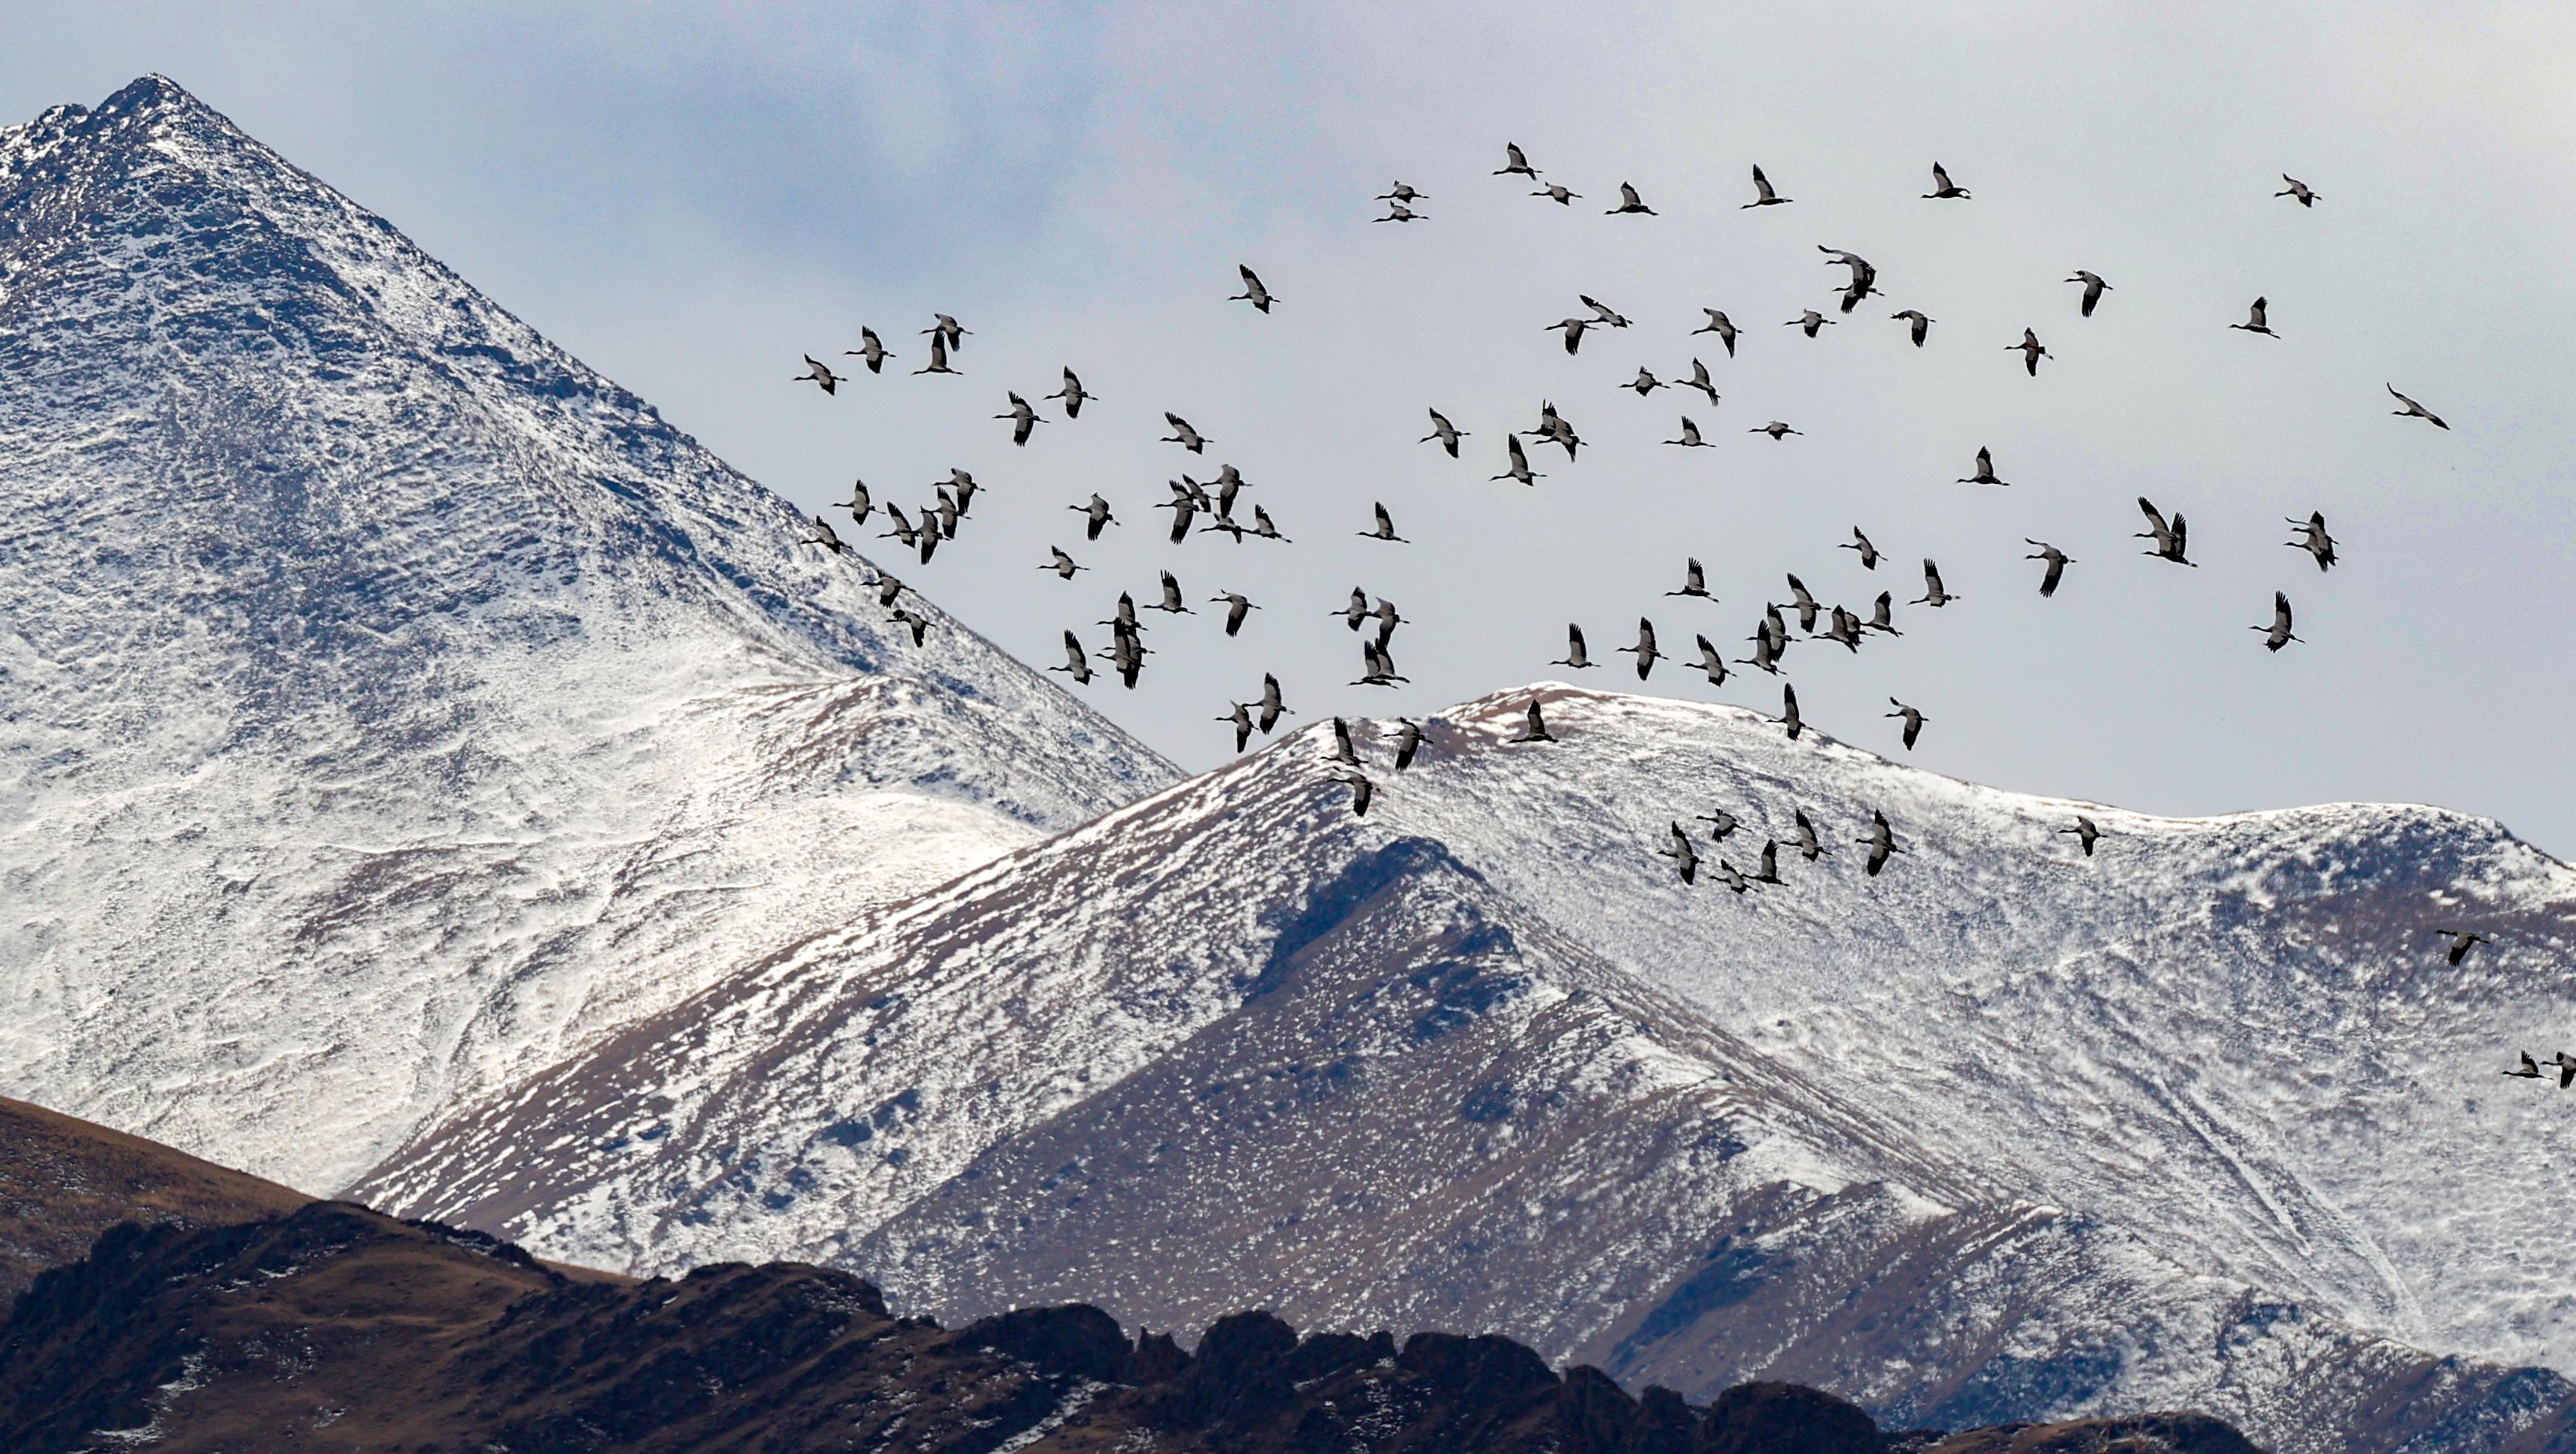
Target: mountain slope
{"x": 389, "y": 704}
{"x": 1230, "y": 1045}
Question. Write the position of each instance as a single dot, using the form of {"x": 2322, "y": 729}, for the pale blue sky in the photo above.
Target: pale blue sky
{"x": 690, "y": 196}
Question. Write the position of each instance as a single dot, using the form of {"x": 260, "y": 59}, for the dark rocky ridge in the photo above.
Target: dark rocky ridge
{"x": 335, "y": 1327}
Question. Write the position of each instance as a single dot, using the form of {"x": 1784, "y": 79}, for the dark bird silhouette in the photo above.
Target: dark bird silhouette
{"x": 1183, "y": 435}
{"x": 920, "y": 624}
{"x": 2414, "y": 410}
{"x": 1385, "y": 528}
{"x": 1844, "y": 627}
{"x": 2566, "y": 1068}
{"x": 2094, "y": 288}
{"x": 1263, "y": 529}
{"x": 1408, "y": 741}
{"x": 1401, "y": 193}
{"x": 2277, "y": 634}
{"x": 1355, "y": 612}
{"x": 1072, "y": 394}
{"x": 2030, "y": 350}
{"x": 1241, "y": 717}
{"x": 1882, "y": 615}
{"x": 1933, "y": 594}
{"x": 1767, "y": 869}
{"x": 1184, "y": 506}
{"x": 902, "y": 531}
{"x": 1917, "y": 326}
{"x": 888, "y": 588}
{"x": 1095, "y": 517}
{"x": 1517, "y": 166}
{"x": 1123, "y": 620}
{"x": 2313, "y": 539}
{"x": 1024, "y": 419}
{"x": 938, "y": 358}
{"x": 870, "y": 351}
{"x": 2085, "y": 833}
{"x": 1720, "y": 824}
{"x": 1447, "y": 433}
{"x": 1077, "y": 664}
{"x": 1868, "y": 552}
{"x": 946, "y": 331}
{"x": 1062, "y": 564}
{"x": 1881, "y": 843}
{"x": 1236, "y": 608}
{"x": 1732, "y": 877}
{"x": 1602, "y": 312}
{"x": 1700, "y": 380}
{"x": 2256, "y": 320}
{"x": 1694, "y": 581}
{"x": 824, "y": 536}
{"x": 1520, "y": 469}
{"x": 1712, "y": 663}
{"x": 1574, "y": 653}
{"x": 1630, "y": 202}
{"x": 1362, "y": 791}
{"x": 2307, "y": 196}
{"x": 1253, "y": 293}
{"x": 2171, "y": 538}
{"x": 1763, "y": 193}
{"x": 1573, "y": 331}
{"x": 1789, "y": 717}
{"x": 2057, "y": 561}
{"x": 1942, "y": 188}
{"x": 1685, "y": 857}
{"x": 1806, "y": 603}
{"x": 1775, "y": 429}
{"x": 2528, "y": 1071}
{"x": 858, "y": 504}
{"x": 1171, "y": 601}
{"x": 1985, "y": 474}
{"x": 1809, "y": 846}
{"x": 819, "y": 372}
{"x": 1558, "y": 193}
{"x": 1343, "y": 750}
{"x": 1644, "y": 650}
{"x": 1719, "y": 324}
{"x": 1808, "y": 322}
{"x": 1913, "y": 719}
{"x": 1644, "y": 383}
{"x": 1272, "y": 707}
{"x": 1534, "y": 726}
{"x": 2462, "y": 941}
{"x": 1689, "y": 438}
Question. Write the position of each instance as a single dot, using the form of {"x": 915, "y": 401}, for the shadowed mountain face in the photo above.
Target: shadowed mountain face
{"x": 335, "y": 1328}
{"x": 389, "y": 704}
{"x": 64, "y": 1181}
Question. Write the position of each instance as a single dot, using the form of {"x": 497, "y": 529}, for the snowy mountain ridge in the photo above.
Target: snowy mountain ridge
{"x": 392, "y": 703}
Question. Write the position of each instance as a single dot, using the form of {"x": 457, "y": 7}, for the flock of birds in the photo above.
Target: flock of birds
{"x": 1213, "y": 505}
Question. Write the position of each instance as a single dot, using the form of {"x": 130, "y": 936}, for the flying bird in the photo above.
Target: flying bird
{"x": 1520, "y": 469}
{"x": 1236, "y": 608}
{"x": 1272, "y": 708}
{"x": 1775, "y": 429}
{"x": 2277, "y": 635}
{"x": 1172, "y": 601}
{"x": 2307, "y": 196}
{"x": 1573, "y": 331}
{"x": 938, "y": 357}
{"x": 1095, "y": 516}
{"x": 1806, "y": 603}
{"x": 1559, "y": 193}
{"x": 1602, "y": 312}
{"x": 1343, "y": 751}
{"x": 1917, "y": 326}
{"x": 1024, "y": 419}
{"x": 1689, "y": 437}
{"x": 1447, "y": 433}
{"x": 1881, "y": 843}
{"x": 946, "y": 330}
{"x": 1767, "y": 869}
{"x": 2566, "y": 1064}
{"x": 1362, "y": 790}
{"x": 1398, "y": 212}
{"x": 1408, "y": 740}
{"x": 1809, "y": 846}
{"x": 1880, "y": 618}
{"x": 1183, "y": 435}
{"x": 1719, "y": 325}
{"x": 2314, "y": 540}
{"x": 1985, "y": 474}
{"x": 871, "y": 351}
{"x": 824, "y": 536}
{"x": 1077, "y": 664}
{"x": 903, "y": 532}
{"x": 1933, "y": 595}
{"x": 1942, "y": 188}
{"x": 2085, "y": 833}
{"x": 2057, "y": 561}
{"x": 1401, "y": 193}
{"x": 1860, "y": 542}
{"x": 1534, "y": 727}
{"x": 1712, "y": 663}
{"x": 2030, "y": 350}
{"x": 858, "y": 504}
{"x": 2171, "y": 538}
{"x": 1630, "y": 202}
{"x": 1913, "y": 719}
{"x": 1700, "y": 380}
{"x": 1694, "y": 581}
{"x": 2462, "y": 941}
{"x": 1072, "y": 395}
{"x": 2529, "y": 1070}
{"x": 1808, "y": 322}
{"x": 1241, "y": 717}
{"x": 1385, "y": 528}
{"x": 1263, "y": 529}
{"x": 1355, "y": 612}
{"x": 1684, "y": 856}
{"x": 2414, "y": 410}
{"x": 1062, "y": 565}
{"x": 1517, "y": 166}
{"x": 1789, "y": 717}
{"x": 1720, "y": 824}
{"x": 1644, "y": 650}
{"x": 1644, "y": 383}
{"x": 888, "y": 588}
{"x": 2256, "y": 322}
{"x": 1763, "y": 194}
{"x": 2094, "y": 288}
{"x": 1574, "y": 654}
{"x": 920, "y": 624}
{"x": 819, "y": 372}
{"x": 1253, "y": 293}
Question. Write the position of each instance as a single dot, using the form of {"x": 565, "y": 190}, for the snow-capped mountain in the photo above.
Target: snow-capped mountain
{"x": 1992, "y": 1135}
{"x": 389, "y": 705}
